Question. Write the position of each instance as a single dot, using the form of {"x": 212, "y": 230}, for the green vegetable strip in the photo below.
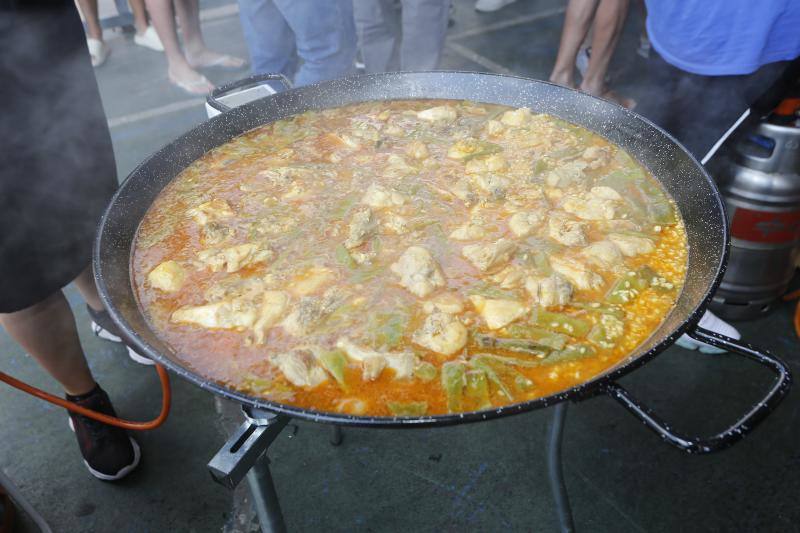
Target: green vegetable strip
{"x": 482, "y": 363}
{"x": 453, "y": 384}
{"x": 335, "y": 362}
{"x": 562, "y": 323}
{"x": 343, "y": 257}
{"x": 478, "y": 388}
{"x": 542, "y": 337}
{"x": 600, "y": 308}
{"x": 573, "y": 352}
{"x": 514, "y": 345}
{"x": 425, "y": 371}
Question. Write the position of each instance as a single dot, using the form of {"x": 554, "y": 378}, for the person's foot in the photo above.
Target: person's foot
{"x": 487, "y": 6}
{"x": 104, "y": 327}
{"x": 189, "y": 80}
{"x": 98, "y": 51}
{"x": 108, "y": 452}
{"x": 608, "y": 94}
{"x": 149, "y": 39}
{"x": 565, "y": 79}
{"x": 206, "y": 58}
{"x": 711, "y": 322}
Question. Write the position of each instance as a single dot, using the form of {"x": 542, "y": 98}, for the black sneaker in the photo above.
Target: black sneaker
{"x": 104, "y": 327}
{"x": 108, "y": 452}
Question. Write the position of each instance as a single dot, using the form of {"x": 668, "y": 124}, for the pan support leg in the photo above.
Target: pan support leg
{"x": 336, "y": 435}
{"x": 555, "y": 471}
{"x": 245, "y": 455}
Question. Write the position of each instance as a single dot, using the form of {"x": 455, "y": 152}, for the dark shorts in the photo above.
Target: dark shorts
{"x": 697, "y": 109}
{"x": 57, "y": 170}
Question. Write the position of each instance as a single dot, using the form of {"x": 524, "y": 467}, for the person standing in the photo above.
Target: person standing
{"x": 608, "y": 17}
{"x": 57, "y": 174}
{"x": 409, "y": 39}
{"x": 305, "y": 40}
{"x": 145, "y": 36}
{"x": 710, "y": 61}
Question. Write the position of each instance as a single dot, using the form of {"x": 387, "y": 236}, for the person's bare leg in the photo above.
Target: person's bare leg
{"x": 86, "y": 286}
{"x": 198, "y": 54}
{"x": 91, "y": 14}
{"x": 139, "y": 15}
{"x": 577, "y": 22}
{"x": 47, "y": 331}
{"x": 163, "y": 18}
{"x": 608, "y": 22}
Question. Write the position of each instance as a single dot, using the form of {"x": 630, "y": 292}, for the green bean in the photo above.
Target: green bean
{"x": 628, "y": 287}
{"x": 484, "y": 148}
{"x": 425, "y": 371}
{"x": 344, "y": 257}
{"x": 335, "y": 362}
{"x": 572, "y": 352}
{"x": 407, "y": 408}
{"x": 478, "y": 388}
{"x": 560, "y": 322}
{"x": 482, "y": 363}
{"x": 513, "y": 345}
{"x": 607, "y": 331}
{"x": 600, "y": 308}
{"x": 539, "y": 336}
{"x": 453, "y": 384}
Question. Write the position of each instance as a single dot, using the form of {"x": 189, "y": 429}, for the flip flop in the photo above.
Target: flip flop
{"x": 223, "y": 61}
{"x": 98, "y": 50}
{"x": 198, "y": 87}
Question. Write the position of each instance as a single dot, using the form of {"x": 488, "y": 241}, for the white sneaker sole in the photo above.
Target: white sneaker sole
{"x": 103, "y": 333}
{"x": 137, "y": 455}
{"x": 138, "y": 358}
{"x": 688, "y": 343}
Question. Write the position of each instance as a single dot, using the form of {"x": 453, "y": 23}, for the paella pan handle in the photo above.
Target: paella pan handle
{"x": 244, "y": 83}
{"x": 743, "y": 426}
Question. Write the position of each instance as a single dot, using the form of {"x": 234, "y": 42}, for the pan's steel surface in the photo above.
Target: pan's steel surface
{"x": 681, "y": 175}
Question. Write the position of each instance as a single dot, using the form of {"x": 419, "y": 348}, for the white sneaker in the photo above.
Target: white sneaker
{"x": 711, "y": 322}
{"x": 98, "y": 51}
{"x": 149, "y": 39}
{"x": 487, "y": 6}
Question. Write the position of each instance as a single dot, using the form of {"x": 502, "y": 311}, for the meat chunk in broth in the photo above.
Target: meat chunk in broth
{"x": 576, "y": 272}
{"x": 632, "y": 245}
{"x": 441, "y": 333}
{"x": 211, "y": 211}
{"x": 361, "y": 227}
{"x": 496, "y": 312}
{"x": 524, "y": 222}
{"x": 300, "y": 368}
{"x": 373, "y": 362}
{"x": 566, "y": 231}
{"x": 168, "y": 276}
{"x": 419, "y": 272}
{"x": 550, "y": 290}
{"x": 489, "y": 256}
{"x": 379, "y": 197}
{"x": 603, "y": 254}
{"x": 234, "y": 258}
{"x": 310, "y": 311}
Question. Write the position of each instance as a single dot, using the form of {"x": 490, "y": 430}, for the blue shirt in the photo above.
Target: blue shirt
{"x": 724, "y": 37}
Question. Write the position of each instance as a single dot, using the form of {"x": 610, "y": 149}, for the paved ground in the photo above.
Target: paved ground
{"x": 485, "y": 477}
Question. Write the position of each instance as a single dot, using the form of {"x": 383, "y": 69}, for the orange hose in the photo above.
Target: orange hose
{"x": 792, "y": 296}
{"x": 166, "y": 399}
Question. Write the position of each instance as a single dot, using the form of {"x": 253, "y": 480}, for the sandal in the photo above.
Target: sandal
{"x": 222, "y": 61}
{"x": 198, "y": 87}
{"x": 98, "y": 50}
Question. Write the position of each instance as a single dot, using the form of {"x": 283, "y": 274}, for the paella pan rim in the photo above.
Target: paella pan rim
{"x": 108, "y": 263}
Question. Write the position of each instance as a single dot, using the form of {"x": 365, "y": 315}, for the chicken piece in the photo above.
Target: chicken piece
{"x": 396, "y": 166}
{"x": 518, "y": 117}
{"x": 591, "y": 208}
{"x": 300, "y": 368}
{"x": 596, "y": 156}
{"x": 236, "y": 314}
{"x": 214, "y": 210}
{"x": 351, "y": 406}
{"x": 401, "y": 362}
{"x": 234, "y": 258}
{"x": 489, "y": 256}
{"x": 441, "y": 333}
{"x": 605, "y": 193}
{"x": 273, "y": 306}
{"x": 311, "y": 281}
{"x": 361, "y": 227}
{"x": 372, "y": 367}
{"x": 568, "y": 174}
{"x": 493, "y": 128}
{"x": 363, "y": 257}
{"x": 632, "y": 245}
{"x": 603, "y": 254}
{"x": 281, "y": 176}
{"x": 495, "y": 185}
{"x": 566, "y": 231}
{"x": 471, "y": 231}
{"x": 310, "y": 312}
{"x": 417, "y": 150}
{"x": 442, "y": 113}
{"x": 447, "y": 302}
{"x": 214, "y": 234}
{"x": 419, "y": 272}
{"x": 576, "y": 272}
{"x": 168, "y": 276}
{"x": 462, "y": 189}
{"x": 511, "y": 277}
{"x": 498, "y": 313}
{"x": 229, "y": 287}
{"x": 549, "y": 291}
{"x": 524, "y": 222}
{"x": 492, "y": 163}
{"x": 379, "y": 197}
{"x": 396, "y": 224}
